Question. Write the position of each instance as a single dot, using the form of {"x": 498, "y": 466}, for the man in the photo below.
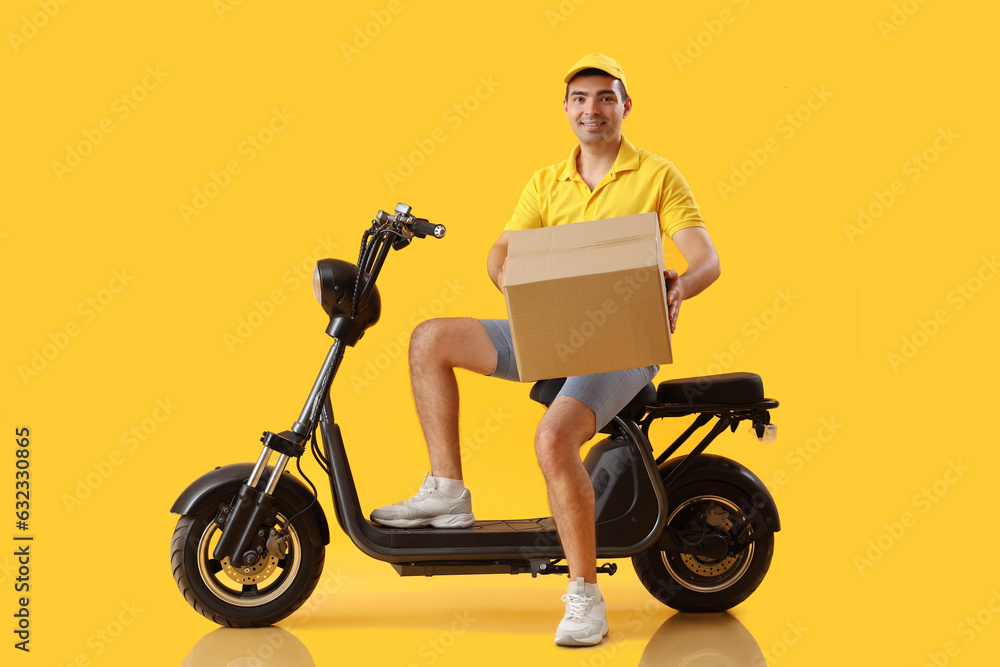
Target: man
{"x": 605, "y": 176}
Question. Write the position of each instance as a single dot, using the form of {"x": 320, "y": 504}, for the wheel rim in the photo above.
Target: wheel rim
{"x": 701, "y": 574}
{"x": 264, "y": 582}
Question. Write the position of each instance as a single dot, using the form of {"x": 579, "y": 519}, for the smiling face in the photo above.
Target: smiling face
{"x": 595, "y": 108}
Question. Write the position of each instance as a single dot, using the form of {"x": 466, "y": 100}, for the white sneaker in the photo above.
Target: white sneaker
{"x": 586, "y": 619}
{"x": 428, "y": 508}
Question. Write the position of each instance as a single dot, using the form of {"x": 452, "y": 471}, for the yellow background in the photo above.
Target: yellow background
{"x": 817, "y": 312}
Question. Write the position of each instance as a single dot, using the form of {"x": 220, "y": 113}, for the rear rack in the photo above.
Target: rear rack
{"x": 729, "y": 415}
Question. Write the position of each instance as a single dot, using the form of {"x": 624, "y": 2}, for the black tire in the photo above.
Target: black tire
{"x": 693, "y": 584}
{"x": 278, "y": 589}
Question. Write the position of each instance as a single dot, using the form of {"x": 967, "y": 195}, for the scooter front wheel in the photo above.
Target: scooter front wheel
{"x": 244, "y": 597}
{"x": 692, "y": 583}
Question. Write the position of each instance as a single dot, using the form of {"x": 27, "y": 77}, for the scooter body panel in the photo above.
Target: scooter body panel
{"x": 520, "y": 539}
{"x": 225, "y": 481}
{"x": 625, "y": 503}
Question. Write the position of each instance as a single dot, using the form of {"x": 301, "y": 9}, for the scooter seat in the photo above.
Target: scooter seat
{"x": 725, "y": 389}
{"x": 545, "y": 391}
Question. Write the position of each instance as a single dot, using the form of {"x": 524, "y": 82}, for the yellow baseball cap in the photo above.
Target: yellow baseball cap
{"x": 597, "y": 61}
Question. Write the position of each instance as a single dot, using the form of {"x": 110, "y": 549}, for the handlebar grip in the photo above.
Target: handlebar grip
{"x": 421, "y": 227}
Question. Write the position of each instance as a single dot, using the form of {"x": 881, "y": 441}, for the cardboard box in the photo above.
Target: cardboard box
{"x": 587, "y": 297}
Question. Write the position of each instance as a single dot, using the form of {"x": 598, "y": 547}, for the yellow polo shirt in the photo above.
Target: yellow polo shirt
{"x": 639, "y": 182}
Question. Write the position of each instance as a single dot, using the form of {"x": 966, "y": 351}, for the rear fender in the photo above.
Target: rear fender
{"x": 710, "y": 467}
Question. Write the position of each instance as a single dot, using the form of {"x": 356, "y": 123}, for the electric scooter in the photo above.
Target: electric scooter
{"x": 249, "y": 546}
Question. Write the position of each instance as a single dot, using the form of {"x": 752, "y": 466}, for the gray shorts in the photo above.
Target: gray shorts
{"x": 604, "y": 393}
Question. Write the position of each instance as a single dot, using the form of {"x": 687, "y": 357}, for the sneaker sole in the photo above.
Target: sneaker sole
{"x": 453, "y": 521}
{"x": 446, "y": 521}
{"x": 593, "y": 640}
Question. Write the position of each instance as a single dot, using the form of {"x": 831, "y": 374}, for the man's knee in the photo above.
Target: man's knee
{"x": 455, "y": 342}
{"x": 425, "y": 344}
{"x": 427, "y": 336}
{"x": 567, "y": 425}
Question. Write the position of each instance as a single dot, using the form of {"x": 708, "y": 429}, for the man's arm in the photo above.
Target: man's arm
{"x": 703, "y": 269}
{"x": 496, "y": 261}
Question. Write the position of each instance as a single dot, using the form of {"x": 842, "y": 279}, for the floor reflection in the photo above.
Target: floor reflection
{"x": 702, "y": 640}
{"x": 252, "y": 647}
{"x": 691, "y": 640}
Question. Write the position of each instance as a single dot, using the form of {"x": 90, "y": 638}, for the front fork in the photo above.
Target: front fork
{"x": 243, "y": 540}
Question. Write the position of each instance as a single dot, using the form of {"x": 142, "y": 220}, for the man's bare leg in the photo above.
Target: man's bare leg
{"x": 437, "y": 347}
{"x": 566, "y": 426}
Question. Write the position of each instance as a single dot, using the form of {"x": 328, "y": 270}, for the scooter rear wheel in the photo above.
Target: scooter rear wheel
{"x": 232, "y": 597}
{"x": 691, "y": 583}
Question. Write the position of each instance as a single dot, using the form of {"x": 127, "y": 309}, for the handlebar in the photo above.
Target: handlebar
{"x": 418, "y": 227}
{"x": 387, "y": 231}
{"x": 422, "y": 227}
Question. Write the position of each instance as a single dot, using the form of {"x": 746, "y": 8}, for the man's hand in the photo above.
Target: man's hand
{"x": 496, "y": 261}
{"x": 703, "y": 269}
{"x": 675, "y": 294}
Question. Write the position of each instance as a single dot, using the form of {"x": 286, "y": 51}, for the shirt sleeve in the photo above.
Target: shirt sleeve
{"x": 678, "y": 209}
{"x": 526, "y": 214}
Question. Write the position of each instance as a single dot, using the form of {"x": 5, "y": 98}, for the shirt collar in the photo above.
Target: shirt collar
{"x": 627, "y": 159}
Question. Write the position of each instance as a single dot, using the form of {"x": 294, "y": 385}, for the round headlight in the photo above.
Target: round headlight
{"x": 334, "y": 282}
{"x": 317, "y": 285}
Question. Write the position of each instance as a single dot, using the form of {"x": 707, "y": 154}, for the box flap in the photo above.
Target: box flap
{"x": 583, "y": 248}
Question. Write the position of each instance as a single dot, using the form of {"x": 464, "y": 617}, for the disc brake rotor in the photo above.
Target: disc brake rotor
{"x": 707, "y": 569}
{"x": 710, "y": 568}
{"x": 250, "y": 574}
